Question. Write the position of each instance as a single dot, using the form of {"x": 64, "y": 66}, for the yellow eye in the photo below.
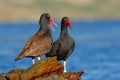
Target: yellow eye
{"x": 64, "y": 19}
{"x": 48, "y": 15}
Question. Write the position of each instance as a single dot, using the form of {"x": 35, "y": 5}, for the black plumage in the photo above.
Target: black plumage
{"x": 64, "y": 45}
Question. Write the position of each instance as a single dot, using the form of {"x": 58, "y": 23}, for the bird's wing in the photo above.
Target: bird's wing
{"x": 26, "y": 48}
{"x": 55, "y": 48}
{"x": 35, "y": 45}
{"x": 31, "y": 44}
{"x": 71, "y": 50}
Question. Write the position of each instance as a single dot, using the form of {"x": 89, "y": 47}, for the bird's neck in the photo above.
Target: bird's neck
{"x": 44, "y": 27}
{"x": 64, "y": 30}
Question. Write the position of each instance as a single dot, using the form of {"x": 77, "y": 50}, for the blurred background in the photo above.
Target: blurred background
{"x": 96, "y": 33}
{"x": 30, "y": 10}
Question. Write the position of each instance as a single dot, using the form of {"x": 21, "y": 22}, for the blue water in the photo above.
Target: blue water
{"x": 97, "y": 50}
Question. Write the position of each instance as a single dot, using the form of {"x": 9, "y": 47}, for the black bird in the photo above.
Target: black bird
{"x": 41, "y": 42}
{"x": 64, "y": 45}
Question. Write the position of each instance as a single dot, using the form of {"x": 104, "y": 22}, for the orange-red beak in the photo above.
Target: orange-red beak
{"x": 68, "y": 23}
{"x": 50, "y": 24}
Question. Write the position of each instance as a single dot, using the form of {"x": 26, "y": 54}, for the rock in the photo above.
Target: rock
{"x": 64, "y": 76}
{"x": 43, "y": 68}
{"x": 73, "y": 76}
{"x": 14, "y": 74}
{"x": 2, "y": 77}
{"x": 46, "y": 69}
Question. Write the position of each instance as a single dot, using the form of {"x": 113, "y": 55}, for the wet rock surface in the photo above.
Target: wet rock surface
{"x": 46, "y": 69}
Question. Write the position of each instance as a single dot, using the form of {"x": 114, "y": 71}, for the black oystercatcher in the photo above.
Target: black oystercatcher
{"x": 64, "y": 45}
{"x": 41, "y": 42}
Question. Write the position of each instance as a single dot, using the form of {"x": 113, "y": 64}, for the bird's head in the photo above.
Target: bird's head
{"x": 66, "y": 21}
{"x": 46, "y": 19}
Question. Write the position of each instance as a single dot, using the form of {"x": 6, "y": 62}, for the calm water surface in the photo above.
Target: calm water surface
{"x": 97, "y": 50}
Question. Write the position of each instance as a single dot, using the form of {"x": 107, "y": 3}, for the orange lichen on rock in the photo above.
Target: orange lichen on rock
{"x": 75, "y": 76}
{"x": 48, "y": 67}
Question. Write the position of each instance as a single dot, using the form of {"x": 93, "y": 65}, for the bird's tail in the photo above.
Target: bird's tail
{"x": 18, "y": 57}
{"x": 48, "y": 54}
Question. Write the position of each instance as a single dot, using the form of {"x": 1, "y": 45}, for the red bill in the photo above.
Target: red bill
{"x": 68, "y": 23}
{"x": 50, "y": 24}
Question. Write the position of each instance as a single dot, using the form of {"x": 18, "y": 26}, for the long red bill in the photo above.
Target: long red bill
{"x": 50, "y": 24}
{"x": 68, "y": 23}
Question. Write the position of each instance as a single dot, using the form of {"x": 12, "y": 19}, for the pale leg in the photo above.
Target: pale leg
{"x": 39, "y": 58}
{"x": 65, "y": 67}
{"x": 33, "y": 60}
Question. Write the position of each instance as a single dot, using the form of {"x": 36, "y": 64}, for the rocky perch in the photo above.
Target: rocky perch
{"x": 46, "y": 69}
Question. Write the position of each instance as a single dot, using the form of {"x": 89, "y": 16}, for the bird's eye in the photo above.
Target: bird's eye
{"x": 64, "y": 19}
{"x": 48, "y": 16}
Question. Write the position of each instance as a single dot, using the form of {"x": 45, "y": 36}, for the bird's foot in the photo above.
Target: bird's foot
{"x": 65, "y": 67}
{"x": 33, "y": 61}
{"x": 39, "y": 58}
